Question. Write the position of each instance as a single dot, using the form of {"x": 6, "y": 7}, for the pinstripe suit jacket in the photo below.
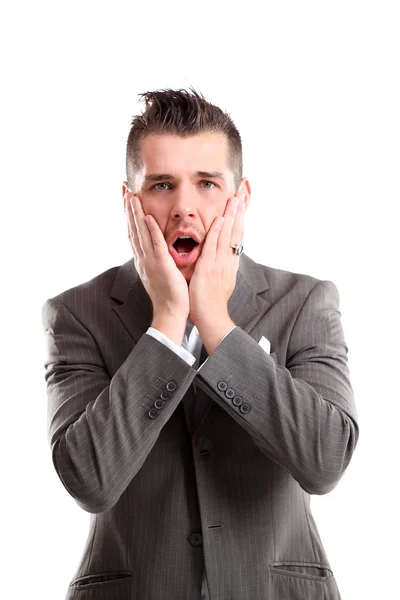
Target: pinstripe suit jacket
{"x": 176, "y": 480}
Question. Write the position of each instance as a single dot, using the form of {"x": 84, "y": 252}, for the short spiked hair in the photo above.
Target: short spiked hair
{"x": 182, "y": 113}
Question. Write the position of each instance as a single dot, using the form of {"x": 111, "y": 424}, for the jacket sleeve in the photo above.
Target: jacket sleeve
{"x": 302, "y": 415}
{"x": 99, "y": 427}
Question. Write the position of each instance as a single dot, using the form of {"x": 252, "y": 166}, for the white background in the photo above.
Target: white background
{"x": 313, "y": 87}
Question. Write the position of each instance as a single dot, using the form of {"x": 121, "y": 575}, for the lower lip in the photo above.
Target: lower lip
{"x": 181, "y": 261}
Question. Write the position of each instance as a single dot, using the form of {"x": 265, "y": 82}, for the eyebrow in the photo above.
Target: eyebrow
{"x": 162, "y": 176}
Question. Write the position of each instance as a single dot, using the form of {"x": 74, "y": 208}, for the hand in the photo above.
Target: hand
{"x": 214, "y": 276}
{"x": 163, "y": 281}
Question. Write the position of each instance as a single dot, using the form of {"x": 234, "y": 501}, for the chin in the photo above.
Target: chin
{"x": 187, "y": 273}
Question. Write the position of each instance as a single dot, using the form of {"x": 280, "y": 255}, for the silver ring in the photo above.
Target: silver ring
{"x": 238, "y": 249}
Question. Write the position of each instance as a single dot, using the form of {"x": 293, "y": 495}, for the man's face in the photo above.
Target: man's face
{"x": 183, "y": 198}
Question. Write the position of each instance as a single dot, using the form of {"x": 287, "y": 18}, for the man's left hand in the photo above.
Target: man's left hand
{"x": 214, "y": 276}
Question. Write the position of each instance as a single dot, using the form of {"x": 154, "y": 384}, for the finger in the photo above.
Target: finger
{"x": 229, "y": 218}
{"x": 238, "y": 224}
{"x": 141, "y": 232}
{"x": 132, "y": 229}
{"x": 160, "y": 248}
{"x": 132, "y": 242}
{"x": 210, "y": 246}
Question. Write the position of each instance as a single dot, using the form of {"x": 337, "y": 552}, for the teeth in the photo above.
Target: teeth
{"x": 183, "y": 253}
{"x": 184, "y": 237}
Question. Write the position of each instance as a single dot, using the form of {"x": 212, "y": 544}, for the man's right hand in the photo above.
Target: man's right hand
{"x": 163, "y": 281}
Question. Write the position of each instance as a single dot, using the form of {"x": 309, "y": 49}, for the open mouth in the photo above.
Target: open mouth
{"x": 184, "y": 245}
{"x": 185, "y": 251}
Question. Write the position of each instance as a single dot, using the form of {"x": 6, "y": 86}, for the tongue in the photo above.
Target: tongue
{"x": 184, "y": 245}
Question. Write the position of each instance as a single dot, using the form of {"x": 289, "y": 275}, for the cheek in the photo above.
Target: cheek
{"x": 210, "y": 216}
{"x": 156, "y": 210}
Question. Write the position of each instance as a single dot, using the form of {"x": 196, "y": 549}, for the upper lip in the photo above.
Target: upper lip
{"x": 182, "y": 232}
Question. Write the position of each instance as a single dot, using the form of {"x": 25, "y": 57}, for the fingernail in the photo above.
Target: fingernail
{"x": 243, "y": 196}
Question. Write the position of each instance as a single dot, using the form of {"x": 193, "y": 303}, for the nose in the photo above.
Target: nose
{"x": 183, "y": 204}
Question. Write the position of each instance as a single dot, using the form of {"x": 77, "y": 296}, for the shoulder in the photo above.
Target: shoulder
{"x": 102, "y": 282}
{"x": 278, "y": 282}
{"x": 95, "y": 293}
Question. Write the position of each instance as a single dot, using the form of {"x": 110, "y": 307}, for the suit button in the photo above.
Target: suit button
{"x": 204, "y": 445}
{"x": 171, "y": 386}
{"x": 153, "y": 413}
{"x": 196, "y": 539}
{"x": 165, "y": 395}
{"x": 222, "y": 386}
{"x": 159, "y": 404}
{"x": 229, "y": 393}
{"x": 245, "y": 408}
{"x": 237, "y": 401}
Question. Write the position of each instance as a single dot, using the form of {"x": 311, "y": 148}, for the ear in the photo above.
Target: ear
{"x": 245, "y": 189}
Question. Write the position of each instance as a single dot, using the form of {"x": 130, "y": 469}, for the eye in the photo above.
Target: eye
{"x": 162, "y": 183}
{"x": 213, "y": 184}
{"x": 165, "y": 183}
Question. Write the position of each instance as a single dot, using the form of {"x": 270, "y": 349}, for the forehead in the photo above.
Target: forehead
{"x": 202, "y": 151}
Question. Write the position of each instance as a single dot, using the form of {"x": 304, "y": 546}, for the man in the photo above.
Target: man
{"x": 197, "y": 398}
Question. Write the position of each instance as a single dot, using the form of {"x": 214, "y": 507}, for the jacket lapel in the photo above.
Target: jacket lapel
{"x": 134, "y": 307}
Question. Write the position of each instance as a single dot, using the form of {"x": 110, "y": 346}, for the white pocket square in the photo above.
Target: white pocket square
{"x": 265, "y": 344}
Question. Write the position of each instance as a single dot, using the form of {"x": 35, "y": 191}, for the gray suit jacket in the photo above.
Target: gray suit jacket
{"x": 175, "y": 478}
